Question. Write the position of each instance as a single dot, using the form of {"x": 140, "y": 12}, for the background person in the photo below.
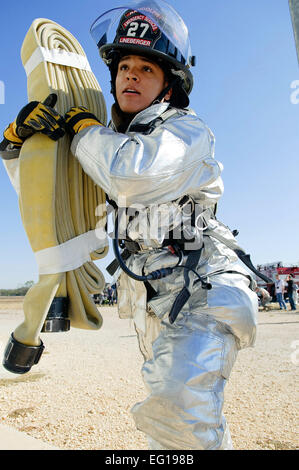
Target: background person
{"x": 265, "y": 297}
{"x": 291, "y": 287}
{"x": 295, "y": 294}
{"x": 279, "y": 291}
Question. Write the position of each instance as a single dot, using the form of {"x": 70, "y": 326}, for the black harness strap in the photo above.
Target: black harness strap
{"x": 181, "y": 299}
{"x": 113, "y": 266}
{"x": 178, "y": 304}
{"x": 245, "y": 258}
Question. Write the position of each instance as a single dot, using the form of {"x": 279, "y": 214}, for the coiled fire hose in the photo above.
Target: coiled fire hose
{"x": 58, "y": 201}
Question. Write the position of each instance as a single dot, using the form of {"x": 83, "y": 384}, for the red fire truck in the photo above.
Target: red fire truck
{"x": 271, "y": 269}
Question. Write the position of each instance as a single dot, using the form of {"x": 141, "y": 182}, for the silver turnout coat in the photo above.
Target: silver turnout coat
{"x": 152, "y": 170}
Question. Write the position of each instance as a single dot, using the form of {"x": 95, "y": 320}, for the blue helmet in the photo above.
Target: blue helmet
{"x": 153, "y": 30}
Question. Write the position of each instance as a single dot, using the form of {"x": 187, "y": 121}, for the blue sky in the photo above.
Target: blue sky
{"x": 246, "y": 65}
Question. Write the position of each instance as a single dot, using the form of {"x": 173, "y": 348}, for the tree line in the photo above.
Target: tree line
{"x": 17, "y": 291}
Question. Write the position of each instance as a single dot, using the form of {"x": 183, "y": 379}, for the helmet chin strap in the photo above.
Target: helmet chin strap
{"x": 166, "y": 90}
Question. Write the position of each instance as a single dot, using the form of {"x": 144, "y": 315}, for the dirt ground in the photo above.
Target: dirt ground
{"x": 80, "y": 394}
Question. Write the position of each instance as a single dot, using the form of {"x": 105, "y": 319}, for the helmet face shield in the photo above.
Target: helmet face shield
{"x": 146, "y": 27}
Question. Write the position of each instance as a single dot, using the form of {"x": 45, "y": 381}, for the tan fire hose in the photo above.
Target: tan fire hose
{"x": 57, "y": 199}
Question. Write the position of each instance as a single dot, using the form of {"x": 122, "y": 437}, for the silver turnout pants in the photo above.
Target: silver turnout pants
{"x": 185, "y": 371}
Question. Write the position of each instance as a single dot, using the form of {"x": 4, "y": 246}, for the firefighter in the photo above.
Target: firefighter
{"x": 193, "y": 303}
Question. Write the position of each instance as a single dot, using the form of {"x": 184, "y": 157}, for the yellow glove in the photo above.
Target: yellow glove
{"x": 34, "y": 117}
{"x": 11, "y": 137}
{"x": 77, "y": 119}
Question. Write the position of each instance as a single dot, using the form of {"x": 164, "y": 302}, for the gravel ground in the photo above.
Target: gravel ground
{"x": 80, "y": 394}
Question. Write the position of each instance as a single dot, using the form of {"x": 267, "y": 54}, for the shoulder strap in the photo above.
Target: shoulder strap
{"x": 150, "y": 126}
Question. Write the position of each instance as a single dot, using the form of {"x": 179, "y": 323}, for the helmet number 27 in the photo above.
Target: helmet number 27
{"x": 134, "y": 26}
